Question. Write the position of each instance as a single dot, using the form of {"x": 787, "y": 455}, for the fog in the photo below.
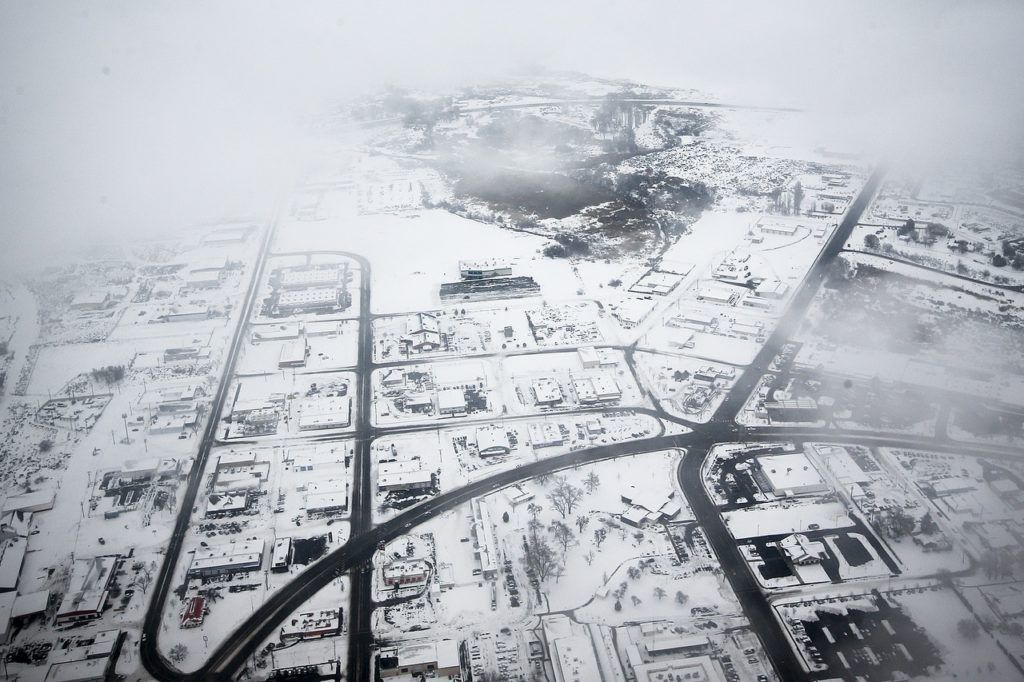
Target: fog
{"x": 134, "y": 118}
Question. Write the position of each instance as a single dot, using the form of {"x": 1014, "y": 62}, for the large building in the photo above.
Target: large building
{"x": 333, "y": 412}
{"x": 226, "y": 559}
{"x": 312, "y": 625}
{"x": 88, "y": 590}
{"x": 789, "y": 474}
{"x": 546, "y": 391}
{"x": 401, "y": 572}
{"x": 451, "y": 402}
{"x": 484, "y": 269}
{"x": 439, "y": 659}
{"x": 486, "y": 547}
{"x": 301, "y": 278}
{"x": 308, "y": 300}
{"x": 492, "y": 440}
{"x": 795, "y": 410}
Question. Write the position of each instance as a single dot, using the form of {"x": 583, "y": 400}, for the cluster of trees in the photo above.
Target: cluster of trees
{"x": 111, "y": 374}
{"x": 567, "y": 246}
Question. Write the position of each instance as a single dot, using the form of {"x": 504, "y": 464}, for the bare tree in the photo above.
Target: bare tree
{"x": 581, "y": 522}
{"x": 565, "y": 496}
{"x": 589, "y": 557}
{"x": 534, "y": 509}
{"x": 592, "y": 482}
{"x": 540, "y": 558}
{"x": 659, "y": 593}
{"x": 563, "y": 535}
{"x": 600, "y": 535}
{"x": 178, "y": 653}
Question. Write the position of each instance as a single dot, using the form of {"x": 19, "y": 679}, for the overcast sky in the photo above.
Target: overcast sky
{"x": 133, "y": 116}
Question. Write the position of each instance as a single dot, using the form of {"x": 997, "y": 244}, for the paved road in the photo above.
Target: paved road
{"x": 355, "y": 556}
{"x": 149, "y": 652}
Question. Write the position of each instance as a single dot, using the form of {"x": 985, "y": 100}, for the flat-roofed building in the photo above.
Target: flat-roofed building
{"x": 544, "y": 434}
{"x": 312, "y": 625}
{"x": 226, "y": 559}
{"x": 308, "y": 300}
{"x": 439, "y": 659}
{"x": 546, "y": 391}
{"x": 451, "y": 402}
{"x": 486, "y": 547}
{"x": 405, "y": 481}
{"x": 484, "y": 269}
{"x": 789, "y": 474}
{"x": 401, "y": 572}
{"x": 281, "y": 556}
{"x": 301, "y": 278}
{"x": 88, "y": 590}
{"x": 492, "y": 440}
{"x": 333, "y": 412}
{"x": 293, "y": 354}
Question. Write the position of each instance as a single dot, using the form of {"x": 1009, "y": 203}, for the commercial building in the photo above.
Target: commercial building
{"x": 451, "y": 402}
{"x": 87, "y": 657}
{"x": 795, "y": 410}
{"x": 486, "y": 547}
{"x": 789, "y": 474}
{"x": 546, "y": 392}
{"x": 597, "y": 389}
{"x": 186, "y": 314}
{"x": 800, "y": 550}
{"x": 327, "y": 497}
{"x": 226, "y": 559}
{"x": 492, "y": 440}
{"x": 405, "y": 481}
{"x": 543, "y": 435}
{"x": 36, "y": 501}
{"x": 573, "y": 659}
{"x": 312, "y": 625}
{"x": 711, "y": 373}
{"x": 203, "y": 280}
{"x": 440, "y": 659}
{"x": 771, "y": 288}
{"x": 402, "y": 572}
{"x": 281, "y": 556}
{"x": 484, "y": 269}
{"x": 308, "y": 300}
{"x": 194, "y": 613}
{"x": 293, "y": 354}
{"x": 464, "y": 375}
{"x": 301, "y": 278}
{"x": 277, "y": 332}
{"x": 12, "y": 555}
{"x": 333, "y": 412}
{"x": 783, "y": 229}
{"x": 88, "y": 590}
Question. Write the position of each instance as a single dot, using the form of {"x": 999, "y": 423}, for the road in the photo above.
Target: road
{"x": 355, "y": 556}
{"x": 149, "y": 652}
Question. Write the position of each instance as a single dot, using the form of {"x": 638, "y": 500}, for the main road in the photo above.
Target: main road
{"x": 354, "y": 557}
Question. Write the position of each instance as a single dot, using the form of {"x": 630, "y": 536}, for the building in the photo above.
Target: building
{"x": 332, "y": 412}
{"x": 293, "y": 354}
{"x": 312, "y": 625}
{"x": 186, "y": 314}
{"x": 800, "y": 550}
{"x": 795, "y": 410}
{"x": 87, "y": 657}
{"x": 308, "y": 300}
{"x": 197, "y": 281}
{"x": 712, "y": 373}
{"x": 596, "y": 389}
{"x": 401, "y": 572}
{"x": 97, "y": 299}
{"x": 405, "y": 481}
{"x": 468, "y": 376}
{"x": 486, "y": 547}
{"x": 771, "y": 288}
{"x": 647, "y": 505}
{"x": 281, "y": 556}
{"x": 691, "y": 669}
{"x": 484, "y": 269}
{"x": 544, "y": 435}
{"x": 573, "y": 659}
{"x": 277, "y": 332}
{"x": 789, "y": 474}
{"x": 327, "y": 497}
{"x": 194, "y": 613}
{"x": 39, "y": 500}
{"x": 440, "y": 659}
{"x": 783, "y": 229}
{"x": 451, "y": 402}
{"x": 492, "y": 440}
{"x": 88, "y": 590}
{"x": 12, "y": 555}
{"x": 546, "y": 392}
{"x": 214, "y": 264}
{"x": 422, "y": 323}
{"x": 226, "y": 559}
{"x": 421, "y": 342}
{"x": 301, "y": 278}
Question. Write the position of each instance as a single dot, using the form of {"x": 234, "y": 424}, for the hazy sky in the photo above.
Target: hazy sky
{"x": 133, "y": 116}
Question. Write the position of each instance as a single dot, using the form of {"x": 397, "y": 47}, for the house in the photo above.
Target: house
{"x": 88, "y": 590}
